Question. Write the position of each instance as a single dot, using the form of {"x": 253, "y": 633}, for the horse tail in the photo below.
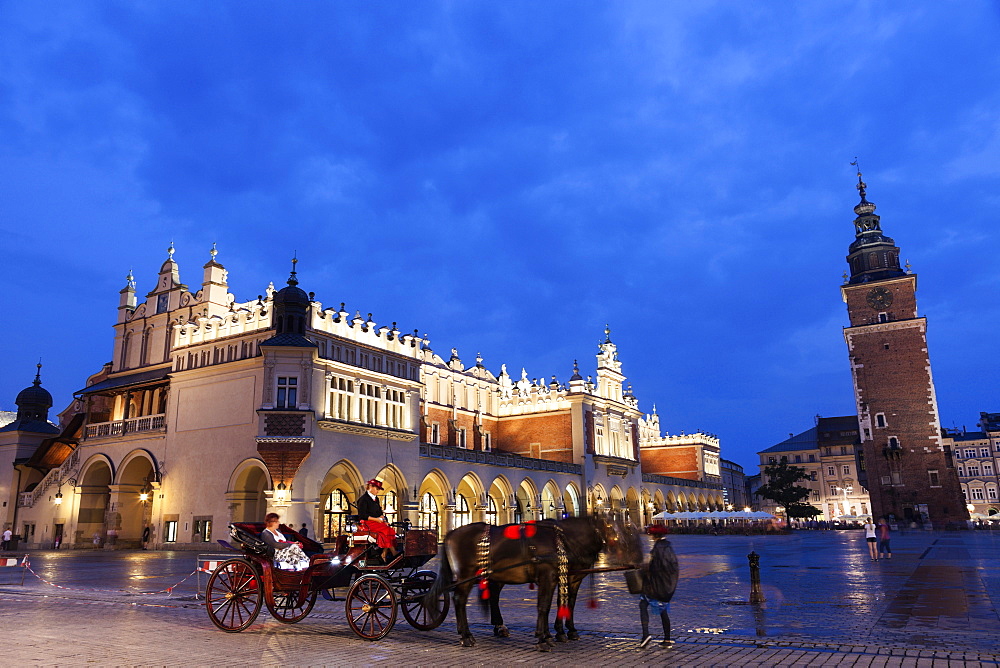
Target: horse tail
{"x": 442, "y": 582}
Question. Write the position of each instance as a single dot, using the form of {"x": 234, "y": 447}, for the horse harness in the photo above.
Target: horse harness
{"x": 524, "y": 531}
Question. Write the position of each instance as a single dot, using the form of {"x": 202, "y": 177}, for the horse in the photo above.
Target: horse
{"x": 623, "y": 547}
{"x": 544, "y": 553}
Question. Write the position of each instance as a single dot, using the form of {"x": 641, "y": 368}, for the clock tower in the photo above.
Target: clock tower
{"x": 910, "y": 472}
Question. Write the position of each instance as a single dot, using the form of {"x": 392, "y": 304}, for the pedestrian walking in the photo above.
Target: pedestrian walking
{"x": 304, "y": 531}
{"x": 869, "y": 529}
{"x": 883, "y": 539}
{"x": 145, "y": 537}
{"x": 6, "y": 539}
{"x": 659, "y": 581}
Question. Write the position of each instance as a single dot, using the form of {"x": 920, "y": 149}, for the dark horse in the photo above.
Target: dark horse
{"x": 486, "y": 556}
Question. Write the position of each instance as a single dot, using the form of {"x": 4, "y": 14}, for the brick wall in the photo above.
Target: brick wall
{"x": 679, "y": 461}
{"x": 547, "y": 436}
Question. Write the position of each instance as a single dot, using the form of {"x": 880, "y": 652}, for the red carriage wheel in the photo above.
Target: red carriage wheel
{"x": 411, "y": 601}
{"x": 371, "y": 607}
{"x": 233, "y": 595}
{"x": 290, "y": 607}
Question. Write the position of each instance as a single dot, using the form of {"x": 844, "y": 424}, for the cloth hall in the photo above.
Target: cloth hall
{"x": 213, "y": 411}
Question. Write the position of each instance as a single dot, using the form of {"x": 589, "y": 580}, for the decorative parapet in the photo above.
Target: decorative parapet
{"x": 505, "y": 459}
{"x": 130, "y": 426}
{"x": 657, "y": 479}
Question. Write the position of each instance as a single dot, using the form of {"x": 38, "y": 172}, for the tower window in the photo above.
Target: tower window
{"x": 893, "y": 443}
{"x": 880, "y": 319}
{"x": 435, "y": 433}
{"x": 880, "y": 420}
{"x": 287, "y": 392}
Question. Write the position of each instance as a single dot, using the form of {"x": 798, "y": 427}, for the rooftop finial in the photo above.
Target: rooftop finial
{"x": 213, "y": 252}
{"x": 291, "y": 279}
{"x": 170, "y": 250}
{"x": 38, "y": 374}
{"x": 607, "y": 333}
{"x": 861, "y": 184}
{"x": 130, "y": 280}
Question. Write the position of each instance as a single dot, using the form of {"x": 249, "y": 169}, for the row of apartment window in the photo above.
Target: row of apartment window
{"x": 216, "y": 355}
{"x": 461, "y": 437}
{"x": 972, "y": 470}
{"x": 463, "y": 396}
{"x": 970, "y": 453}
{"x": 978, "y": 495}
{"x": 367, "y": 360}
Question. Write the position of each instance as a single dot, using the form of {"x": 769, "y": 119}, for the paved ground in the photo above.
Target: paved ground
{"x": 934, "y": 603}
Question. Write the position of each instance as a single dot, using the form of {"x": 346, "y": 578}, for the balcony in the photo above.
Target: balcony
{"x": 135, "y": 425}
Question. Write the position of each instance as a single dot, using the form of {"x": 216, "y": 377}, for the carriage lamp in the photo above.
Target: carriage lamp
{"x": 58, "y": 499}
{"x": 144, "y": 496}
{"x": 281, "y": 493}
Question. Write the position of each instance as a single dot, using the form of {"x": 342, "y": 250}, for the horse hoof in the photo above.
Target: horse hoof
{"x": 468, "y": 641}
{"x": 501, "y": 631}
{"x": 562, "y": 637}
{"x": 573, "y": 635}
{"x": 544, "y": 647}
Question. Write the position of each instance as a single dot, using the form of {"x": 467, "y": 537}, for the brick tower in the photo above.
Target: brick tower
{"x": 910, "y": 473}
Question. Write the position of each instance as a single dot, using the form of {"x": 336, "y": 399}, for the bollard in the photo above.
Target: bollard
{"x": 756, "y": 595}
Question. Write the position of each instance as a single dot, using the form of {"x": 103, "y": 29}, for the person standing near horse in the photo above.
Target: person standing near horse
{"x": 882, "y": 530}
{"x": 373, "y": 519}
{"x": 659, "y": 581}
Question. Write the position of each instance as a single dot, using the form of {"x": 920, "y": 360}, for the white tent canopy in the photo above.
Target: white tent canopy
{"x": 714, "y": 515}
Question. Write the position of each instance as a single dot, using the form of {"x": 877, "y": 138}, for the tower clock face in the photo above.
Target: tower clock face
{"x": 879, "y": 298}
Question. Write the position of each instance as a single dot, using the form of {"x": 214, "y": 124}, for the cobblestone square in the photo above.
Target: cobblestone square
{"x": 934, "y": 603}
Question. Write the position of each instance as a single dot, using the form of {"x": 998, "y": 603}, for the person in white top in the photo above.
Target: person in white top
{"x": 870, "y": 538}
{"x": 6, "y": 539}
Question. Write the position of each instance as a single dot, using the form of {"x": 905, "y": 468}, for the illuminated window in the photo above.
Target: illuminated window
{"x": 428, "y": 512}
{"x": 491, "y": 516}
{"x": 336, "y": 510}
{"x": 463, "y": 515}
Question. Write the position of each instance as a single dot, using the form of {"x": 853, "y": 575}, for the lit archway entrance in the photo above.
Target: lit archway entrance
{"x": 95, "y": 493}
{"x": 498, "y": 505}
{"x": 552, "y": 503}
{"x": 133, "y": 500}
{"x": 246, "y": 492}
{"x": 571, "y": 501}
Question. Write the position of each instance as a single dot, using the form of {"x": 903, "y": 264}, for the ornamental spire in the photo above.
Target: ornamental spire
{"x": 292, "y": 280}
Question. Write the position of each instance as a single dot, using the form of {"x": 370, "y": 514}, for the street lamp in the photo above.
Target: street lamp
{"x": 58, "y": 499}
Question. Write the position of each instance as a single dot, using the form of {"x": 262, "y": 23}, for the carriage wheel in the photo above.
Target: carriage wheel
{"x": 288, "y": 608}
{"x": 371, "y": 607}
{"x": 233, "y": 595}
{"x": 411, "y": 601}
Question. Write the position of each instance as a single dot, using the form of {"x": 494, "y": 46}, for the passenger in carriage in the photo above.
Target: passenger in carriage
{"x": 288, "y": 555}
{"x": 374, "y": 520}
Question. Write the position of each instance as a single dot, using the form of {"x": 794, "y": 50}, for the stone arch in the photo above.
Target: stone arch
{"x": 94, "y": 489}
{"x": 616, "y": 501}
{"x": 394, "y": 491}
{"x": 245, "y": 492}
{"x": 631, "y": 510}
{"x": 130, "y": 514}
{"x": 525, "y": 501}
{"x": 671, "y": 502}
{"x": 432, "y": 502}
{"x": 498, "y": 510}
{"x": 551, "y": 501}
{"x": 339, "y": 489}
{"x": 571, "y": 500}
{"x": 646, "y": 506}
{"x": 469, "y": 499}
{"x": 599, "y": 499}
{"x": 658, "y": 503}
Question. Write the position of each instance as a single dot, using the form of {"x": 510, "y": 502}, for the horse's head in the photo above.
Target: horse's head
{"x": 624, "y": 546}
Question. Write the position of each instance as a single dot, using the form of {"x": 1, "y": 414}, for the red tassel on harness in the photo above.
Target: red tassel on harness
{"x": 531, "y": 586}
{"x": 563, "y": 613}
{"x": 484, "y": 590}
{"x": 592, "y": 604}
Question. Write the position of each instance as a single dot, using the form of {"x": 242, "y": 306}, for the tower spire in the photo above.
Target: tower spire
{"x": 292, "y": 280}
{"x": 872, "y": 255}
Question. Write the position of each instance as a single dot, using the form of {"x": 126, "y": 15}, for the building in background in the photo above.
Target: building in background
{"x": 910, "y": 473}
{"x": 976, "y": 454}
{"x": 214, "y": 410}
{"x": 830, "y": 454}
{"x": 734, "y": 485}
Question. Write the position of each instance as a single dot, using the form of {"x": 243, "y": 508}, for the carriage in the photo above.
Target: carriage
{"x": 376, "y": 592}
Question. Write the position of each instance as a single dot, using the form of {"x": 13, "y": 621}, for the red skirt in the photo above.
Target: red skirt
{"x": 385, "y": 535}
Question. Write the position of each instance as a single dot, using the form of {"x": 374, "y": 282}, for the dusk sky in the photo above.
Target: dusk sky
{"x": 510, "y": 176}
